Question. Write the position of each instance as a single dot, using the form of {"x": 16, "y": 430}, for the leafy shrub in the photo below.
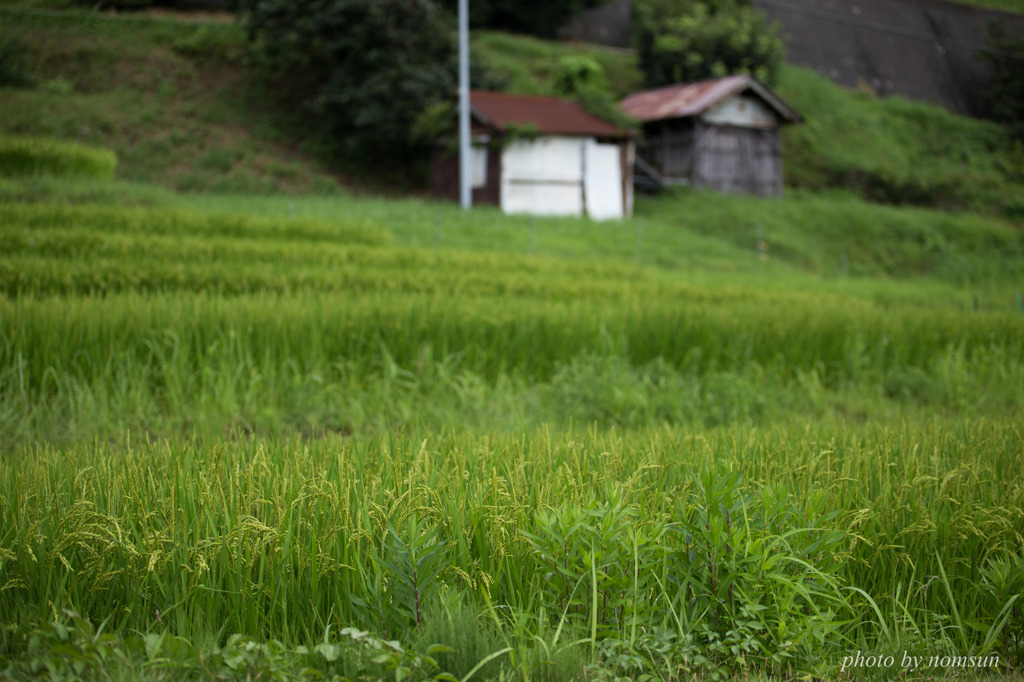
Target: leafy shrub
{"x": 398, "y": 584}
{"x": 72, "y": 648}
{"x": 1004, "y": 94}
{"x": 14, "y": 68}
{"x": 733, "y": 579}
{"x": 536, "y": 18}
{"x": 758, "y": 567}
{"x": 368, "y": 68}
{"x": 30, "y": 156}
{"x": 686, "y": 40}
{"x": 1002, "y": 586}
{"x": 582, "y": 78}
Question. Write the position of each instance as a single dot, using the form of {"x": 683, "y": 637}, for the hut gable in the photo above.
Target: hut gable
{"x": 544, "y": 156}
{"x": 720, "y": 134}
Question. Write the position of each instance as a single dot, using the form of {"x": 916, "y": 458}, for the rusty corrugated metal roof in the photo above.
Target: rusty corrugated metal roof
{"x": 551, "y": 115}
{"x": 693, "y": 99}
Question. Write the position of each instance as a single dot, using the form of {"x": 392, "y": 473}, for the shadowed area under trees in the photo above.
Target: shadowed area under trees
{"x": 367, "y": 68}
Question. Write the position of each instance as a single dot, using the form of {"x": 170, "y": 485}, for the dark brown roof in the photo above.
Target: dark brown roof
{"x": 693, "y": 99}
{"x": 551, "y": 116}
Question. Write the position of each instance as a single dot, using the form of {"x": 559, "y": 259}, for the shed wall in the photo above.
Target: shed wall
{"x": 670, "y": 147}
{"x": 744, "y": 111}
{"x": 543, "y": 176}
{"x": 738, "y": 160}
{"x": 446, "y": 177}
{"x": 557, "y": 175}
{"x": 603, "y": 181}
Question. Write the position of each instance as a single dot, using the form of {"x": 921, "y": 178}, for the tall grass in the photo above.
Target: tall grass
{"x": 278, "y": 539}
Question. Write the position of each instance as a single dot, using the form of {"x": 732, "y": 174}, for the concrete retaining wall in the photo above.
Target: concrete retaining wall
{"x": 920, "y": 49}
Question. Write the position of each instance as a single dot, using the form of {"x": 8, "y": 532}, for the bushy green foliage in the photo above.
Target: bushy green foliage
{"x": 21, "y": 157}
{"x": 1004, "y": 93}
{"x": 731, "y": 579}
{"x": 541, "y": 19}
{"x": 367, "y": 68}
{"x": 685, "y": 40}
{"x": 14, "y": 67}
{"x": 73, "y": 648}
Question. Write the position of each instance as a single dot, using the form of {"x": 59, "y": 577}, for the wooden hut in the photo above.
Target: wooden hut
{"x": 720, "y": 134}
{"x": 542, "y": 155}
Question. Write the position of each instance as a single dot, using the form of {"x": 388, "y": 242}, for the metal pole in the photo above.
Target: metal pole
{"x": 465, "y": 181}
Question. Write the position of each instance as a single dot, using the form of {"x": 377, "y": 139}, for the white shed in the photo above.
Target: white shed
{"x": 543, "y": 156}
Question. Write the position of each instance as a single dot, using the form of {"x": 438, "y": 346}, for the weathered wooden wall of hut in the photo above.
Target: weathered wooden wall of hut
{"x": 721, "y": 158}
{"x": 738, "y": 160}
{"x": 670, "y": 147}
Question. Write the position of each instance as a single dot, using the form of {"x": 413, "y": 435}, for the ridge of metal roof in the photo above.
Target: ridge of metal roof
{"x": 696, "y": 97}
{"x": 551, "y": 115}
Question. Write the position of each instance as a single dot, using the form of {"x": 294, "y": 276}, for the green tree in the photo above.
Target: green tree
{"x": 534, "y": 18}
{"x": 685, "y": 40}
{"x": 1004, "y": 94}
{"x": 368, "y": 67}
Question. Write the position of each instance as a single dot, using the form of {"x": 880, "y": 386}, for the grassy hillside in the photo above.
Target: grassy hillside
{"x": 897, "y": 151}
{"x": 170, "y": 97}
{"x": 174, "y": 100}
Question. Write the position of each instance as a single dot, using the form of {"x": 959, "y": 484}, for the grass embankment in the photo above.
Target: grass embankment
{"x": 172, "y": 98}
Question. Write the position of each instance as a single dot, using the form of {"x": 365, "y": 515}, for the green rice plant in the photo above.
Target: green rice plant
{"x": 22, "y": 156}
{"x": 269, "y": 536}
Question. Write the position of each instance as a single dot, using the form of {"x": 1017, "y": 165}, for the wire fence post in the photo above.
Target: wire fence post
{"x": 639, "y": 239}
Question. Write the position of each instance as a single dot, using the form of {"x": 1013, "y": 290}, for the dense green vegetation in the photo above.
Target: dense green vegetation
{"x": 678, "y": 41}
{"x": 175, "y": 102}
{"x": 274, "y": 435}
{"x": 367, "y": 68}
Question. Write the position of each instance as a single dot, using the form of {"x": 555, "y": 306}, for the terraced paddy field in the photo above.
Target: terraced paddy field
{"x": 284, "y": 430}
{"x": 349, "y": 438}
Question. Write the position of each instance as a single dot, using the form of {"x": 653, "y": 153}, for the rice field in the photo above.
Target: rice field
{"x": 314, "y": 443}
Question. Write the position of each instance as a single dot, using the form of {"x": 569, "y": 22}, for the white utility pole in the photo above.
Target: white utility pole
{"x": 465, "y": 149}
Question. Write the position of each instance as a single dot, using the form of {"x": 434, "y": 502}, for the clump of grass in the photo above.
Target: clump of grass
{"x": 33, "y": 157}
